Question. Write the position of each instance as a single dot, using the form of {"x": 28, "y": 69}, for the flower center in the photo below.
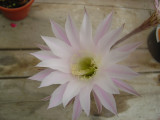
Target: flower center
{"x": 85, "y": 68}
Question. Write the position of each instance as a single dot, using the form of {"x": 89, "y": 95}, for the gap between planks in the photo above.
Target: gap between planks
{"x": 129, "y": 4}
{"x": 25, "y": 77}
{"x": 31, "y": 49}
{"x": 109, "y": 6}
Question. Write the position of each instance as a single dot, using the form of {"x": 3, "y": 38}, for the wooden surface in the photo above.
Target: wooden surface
{"x": 20, "y": 98}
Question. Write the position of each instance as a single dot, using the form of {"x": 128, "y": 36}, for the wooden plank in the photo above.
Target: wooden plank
{"x": 142, "y": 61}
{"x": 35, "y": 110}
{"x": 140, "y": 4}
{"x": 17, "y": 63}
{"x": 22, "y": 64}
{"x": 23, "y": 90}
{"x": 19, "y": 99}
{"x": 27, "y": 90}
{"x": 28, "y": 31}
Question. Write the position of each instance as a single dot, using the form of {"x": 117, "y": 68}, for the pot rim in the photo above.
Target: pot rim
{"x": 17, "y": 9}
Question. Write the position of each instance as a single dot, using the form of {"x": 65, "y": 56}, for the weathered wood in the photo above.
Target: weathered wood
{"x": 17, "y": 64}
{"x": 35, "y": 110}
{"x": 27, "y": 90}
{"x": 28, "y": 31}
{"x": 22, "y": 64}
{"x": 140, "y": 4}
{"x": 23, "y": 90}
{"x": 20, "y": 99}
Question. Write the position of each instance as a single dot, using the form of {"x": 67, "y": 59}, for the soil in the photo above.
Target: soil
{"x": 13, "y": 3}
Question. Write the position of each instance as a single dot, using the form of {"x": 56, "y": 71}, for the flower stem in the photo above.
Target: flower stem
{"x": 152, "y": 21}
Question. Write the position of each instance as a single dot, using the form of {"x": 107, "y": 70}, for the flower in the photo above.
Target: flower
{"x": 157, "y": 6}
{"x": 82, "y": 64}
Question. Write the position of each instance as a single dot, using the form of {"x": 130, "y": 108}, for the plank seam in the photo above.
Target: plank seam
{"x": 25, "y": 77}
{"x": 27, "y": 49}
{"x": 95, "y": 5}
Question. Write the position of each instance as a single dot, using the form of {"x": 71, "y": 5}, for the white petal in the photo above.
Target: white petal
{"x": 103, "y": 28}
{"x": 76, "y": 108}
{"x": 109, "y": 39}
{"x": 56, "y": 64}
{"x": 59, "y": 32}
{"x": 43, "y": 47}
{"x": 125, "y": 87}
{"x": 107, "y": 84}
{"x": 58, "y": 47}
{"x": 86, "y": 32}
{"x": 57, "y": 95}
{"x": 128, "y": 47}
{"x": 98, "y": 103}
{"x": 43, "y": 55}
{"x": 73, "y": 89}
{"x": 85, "y": 99}
{"x": 118, "y": 54}
{"x": 55, "y": 77}
{"x": 72, "y": 32}
{"x": 41, "y": 75}
{"x": 121, "y": 72}
{"x": 106, "y": 99}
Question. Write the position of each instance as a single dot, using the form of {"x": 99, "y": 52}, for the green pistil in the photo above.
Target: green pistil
{"x": 85, "y": 68}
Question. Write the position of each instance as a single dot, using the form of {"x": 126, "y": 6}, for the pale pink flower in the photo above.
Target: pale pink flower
{"x": 157, "y": 6}
{"x": 82, "y": 64}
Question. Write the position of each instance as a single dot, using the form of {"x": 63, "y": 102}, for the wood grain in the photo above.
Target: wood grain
{"x": 28, "y": 31}
{"x": 22, "y": 64}
{"x": 17, "y": 64}
{"x": 21, "y": 97}
{"x": 132, "y": 4}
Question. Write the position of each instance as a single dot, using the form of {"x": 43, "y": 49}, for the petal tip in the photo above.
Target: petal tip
{"x": 85, "y": 10}
{"x": 31, "y": 78}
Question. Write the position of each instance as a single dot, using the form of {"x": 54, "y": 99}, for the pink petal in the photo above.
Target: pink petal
{"x": 43, "y": 47}
{"x": 59, "y": 32}
{"x": 76, "y": 109}
{"x": 56, "y": 64}
{"x": 107, "y": 100}
{"x": 56, "y": 97}
{"x": 98, "y": 103}
{"x": 125, "y": 87}
{"x": 106, "y": 84}
{"x": 55, "y": 77}
{"x": 129, "y": 47}
{"x": 109, "y": 39}
{"x": 86, "y": 32}
{"x": 46, "y": 98}
{"x": 72, "y": 32}
{"x": 103, "y": 28}
{"x": 73, "y": 89}
{"x": 58, "y": 47}
{"x": 156, "y": 2}
{"x": 41, "y": 75}
{"x": 121, "y": 53}
{"x": 13, "y": 25}
{"x": 121, "y": 72}
{"x": 85, "y": 99}
{"x": 44, "y": 55}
